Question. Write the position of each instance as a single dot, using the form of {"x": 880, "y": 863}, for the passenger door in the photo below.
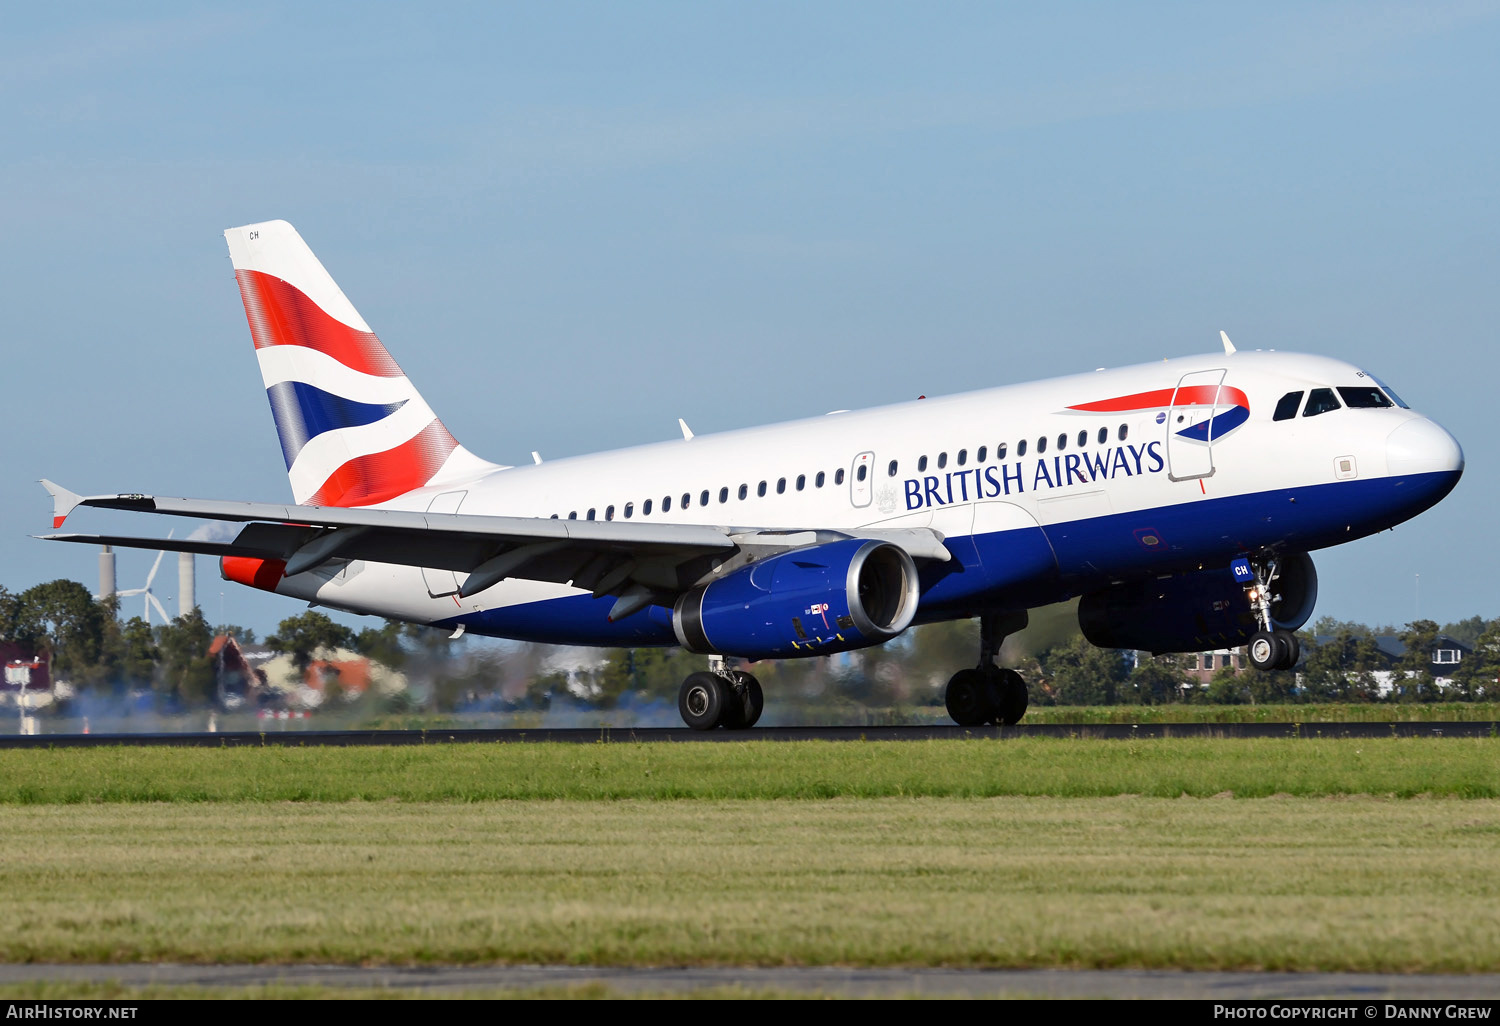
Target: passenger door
{"x": 443, "y": 582}
{"x": 1189, "y": 448}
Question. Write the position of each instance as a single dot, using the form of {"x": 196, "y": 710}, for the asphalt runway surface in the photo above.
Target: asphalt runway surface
{"x": 867, "y": 983}
{"x": 591, "y": 735}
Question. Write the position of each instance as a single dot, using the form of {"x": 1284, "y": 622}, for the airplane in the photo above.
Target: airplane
{"x": 1178, "y": 501}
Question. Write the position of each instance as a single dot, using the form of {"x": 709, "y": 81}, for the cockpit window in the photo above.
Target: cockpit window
{"x": 1287, "y": 408}
{"x": 1364, "y": 397}
{"x": 1320, "y": 400}
{"x": 1394, "y": 397}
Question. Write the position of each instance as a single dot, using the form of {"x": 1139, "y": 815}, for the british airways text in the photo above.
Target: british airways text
{"x": 1044, "y": 473}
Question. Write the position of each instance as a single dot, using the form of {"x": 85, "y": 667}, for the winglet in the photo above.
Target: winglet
{"x": 687, "y": 432}
{"x": 63, "y": 501}
{"x": 1228, "y": 345}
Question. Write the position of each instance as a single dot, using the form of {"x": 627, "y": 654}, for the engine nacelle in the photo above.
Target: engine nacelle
{"x": 812, "y": 601}
{"x": 1196, "y": 611}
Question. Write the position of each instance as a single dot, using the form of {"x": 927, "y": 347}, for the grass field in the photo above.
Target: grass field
{"x": 1333, "y": 854}
{"x": 1361, "y": 883}
{"x": 846, "y": 713}
{"x": 1466, "y": 768}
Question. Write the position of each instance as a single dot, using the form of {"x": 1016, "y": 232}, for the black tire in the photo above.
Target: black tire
{"x": 732, "y": 714}
{"x": 1014, "y": 698}
{"x": 751, "y": 699}
{"x": 967, "y": 698}
{"x": 1293, "y": 649}
{"x": 1264, "y": 650}
{"x": 700, "y": 701}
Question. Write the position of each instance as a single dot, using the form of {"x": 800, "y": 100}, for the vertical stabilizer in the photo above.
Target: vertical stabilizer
{"x": 354, "y": 431}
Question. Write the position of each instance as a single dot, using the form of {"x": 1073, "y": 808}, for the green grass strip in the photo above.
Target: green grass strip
{"x": 1461, "y": 768}
{"x": 1359, "y": 884}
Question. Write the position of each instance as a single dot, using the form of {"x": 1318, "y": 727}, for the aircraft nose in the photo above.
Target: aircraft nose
{"x": 1422, "y": 447}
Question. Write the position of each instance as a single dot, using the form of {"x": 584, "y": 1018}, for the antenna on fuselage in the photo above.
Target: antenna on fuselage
{"x": 1228, "y": 345}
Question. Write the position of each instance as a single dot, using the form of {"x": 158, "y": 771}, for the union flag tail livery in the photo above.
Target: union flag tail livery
{"x": 1177, "y": 502}
{"x": 354, "y": 431}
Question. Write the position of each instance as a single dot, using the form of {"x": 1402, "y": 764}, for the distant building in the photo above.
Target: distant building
{"x": 340, "y": 672}
{"x": 1201, "y": 666}
{"x": 238, "y": 683}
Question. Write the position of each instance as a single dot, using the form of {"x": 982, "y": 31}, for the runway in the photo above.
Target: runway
{"x": 631, "y": 735}
{"x": 833, "y": 981}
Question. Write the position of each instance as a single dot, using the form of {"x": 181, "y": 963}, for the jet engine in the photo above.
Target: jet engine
{"x": 1191, "y": 612}
{"x": 825, "y": 598}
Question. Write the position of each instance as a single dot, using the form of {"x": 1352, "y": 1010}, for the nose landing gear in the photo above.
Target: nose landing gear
{"x": 989, "y": 693}
{"x": 1271, "y": 647}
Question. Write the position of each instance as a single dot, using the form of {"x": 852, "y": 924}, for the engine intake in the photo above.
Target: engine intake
{"x": 826, "y": 598}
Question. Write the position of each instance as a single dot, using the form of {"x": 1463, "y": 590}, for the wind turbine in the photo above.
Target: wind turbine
{"x": 150, "y": 599}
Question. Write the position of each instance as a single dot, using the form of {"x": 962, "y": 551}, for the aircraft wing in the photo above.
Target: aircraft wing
{"x": 640, "y": 563}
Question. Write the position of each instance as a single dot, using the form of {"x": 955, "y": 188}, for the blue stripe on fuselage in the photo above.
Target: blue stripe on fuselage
{"x": 1035, "y": 566}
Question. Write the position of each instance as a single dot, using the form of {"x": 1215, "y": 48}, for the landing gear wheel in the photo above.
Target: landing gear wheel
{"x": 747, "y": 698}
{"x": 1274, "y": 650}
{"x": 701, "y": 700}
{"x": 1293, "y": 649}
{"x": 1265, "y": 650}
{"x": 967, "y": 698}
{"x": 1013, "y": 698}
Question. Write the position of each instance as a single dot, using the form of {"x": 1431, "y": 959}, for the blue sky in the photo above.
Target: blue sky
{"x": 573, "y": 223}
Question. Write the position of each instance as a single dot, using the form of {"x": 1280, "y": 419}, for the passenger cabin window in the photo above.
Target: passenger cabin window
{"x": 818, "y": 481}
{"x": 1062, "y": 442}
{"x": 609, "y": 513}
{"x": 646, "y": 508}
{"x": 942, "y": 460}
{"x": 1041, "y": 444}
{"x": 744, "y": 491}
{"x": 801, "y": 481}
{"x": 1103, "y": 435}
{"x": 983, "y": 451}
{"x": 554, "y": 516}
{"x": 780, "y": 485}
{"x": 1000, "y": 451}
{"x": 1083, "y": 438}
{"x": 724, "y": 494}
{"x": 1320, "y": 400}
{"x": 573, "y": 515}
{"x": 760, "y": 490}
{"x": 890, "y": 471}
{"x": 862, "y": 472}
{"x": 666, "y": 504}
{"x": 1020, "y": 448}
{"x": 1288, "y": 405}
{"x": 629, "y": 509}
{"x": 703, "y": 497}
{"x": 687, "y": 499}
{"x": 963, "y": 456}
{"x": 591, "y": 514}
{"x": 838, "y": 476}
{"x": 921, "y": 464}
{"x": 1124, "y": 430}
{"x": 1364, "y": 397}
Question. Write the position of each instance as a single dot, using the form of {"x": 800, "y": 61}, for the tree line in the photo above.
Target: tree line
{"x": 93, "y": 647}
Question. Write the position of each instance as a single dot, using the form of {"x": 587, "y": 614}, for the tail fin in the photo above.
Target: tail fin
{"x": 354, "y": 431}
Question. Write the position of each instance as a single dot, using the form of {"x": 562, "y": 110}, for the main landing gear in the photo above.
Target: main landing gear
{"x": 1271, "y": 647}
{"x": 720, "y": 697}
{"x": 989, "y": 693}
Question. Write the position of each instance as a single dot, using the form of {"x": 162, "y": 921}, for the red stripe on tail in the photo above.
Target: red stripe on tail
{"x": 366, "y": 480}
{"x": 282, "y": 315}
